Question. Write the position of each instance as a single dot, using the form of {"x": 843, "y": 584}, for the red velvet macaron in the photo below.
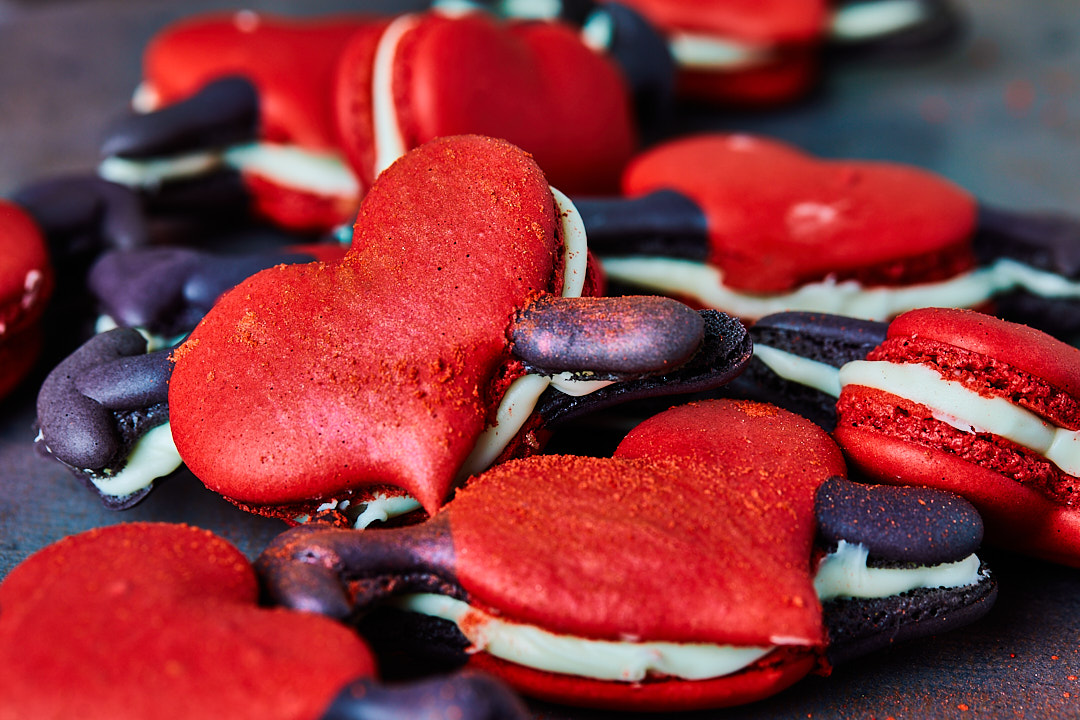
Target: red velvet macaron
{"x": 786, "y": 230}
{"x": 982, "y": 407}
{"x": 356, "y": 92}
{"x": 306, "y": 382}
{"x": 162, "y": 621}
{"x": 746, "y": 52}
{"x": 26, "y": 283}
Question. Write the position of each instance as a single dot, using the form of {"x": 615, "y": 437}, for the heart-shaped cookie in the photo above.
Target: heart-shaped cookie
{"x": 308, "y": 113}
{"x": 778, "y": 218}
{"x": 686, "y": 573}
{"x": 307, "y": 380}
{"x": 161, "y": 621}
{"x": 157, "y": 620}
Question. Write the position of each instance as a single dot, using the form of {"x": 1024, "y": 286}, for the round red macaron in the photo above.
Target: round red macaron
{"x": 158, "y": 620}
{"x": 534, "y": 84}
{"x": 1027, "y": 501}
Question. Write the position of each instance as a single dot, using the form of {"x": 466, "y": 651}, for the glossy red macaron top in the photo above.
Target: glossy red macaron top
{"x": 778, "y": 217}
{"x": 26, "y": 275}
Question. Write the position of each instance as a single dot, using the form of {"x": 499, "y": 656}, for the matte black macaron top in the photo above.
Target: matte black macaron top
{"x": 898, "y": 523}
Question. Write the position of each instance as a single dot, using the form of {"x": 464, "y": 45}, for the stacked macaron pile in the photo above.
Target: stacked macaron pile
{"x": 724, "y": 416}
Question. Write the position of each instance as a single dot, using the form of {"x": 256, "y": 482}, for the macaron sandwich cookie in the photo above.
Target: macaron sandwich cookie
{"x": 979, "y": 406}
{"x": 159, "y": 620}
{"x": 451, "y": 335}
{"x": 753, "y": 226}
{"x": 761, "y": 53}
{"x": 309, "y": 112}
{"x": 688, "y": 573}
{"x": 940, "y": 397}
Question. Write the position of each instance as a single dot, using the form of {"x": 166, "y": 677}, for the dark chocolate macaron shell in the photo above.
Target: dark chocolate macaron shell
{"x": 901, "y": 528}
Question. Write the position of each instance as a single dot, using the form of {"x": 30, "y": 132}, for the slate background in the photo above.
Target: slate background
{"x": 1000, "y": 114}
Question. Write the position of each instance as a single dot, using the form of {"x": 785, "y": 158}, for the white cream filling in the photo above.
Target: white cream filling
{"x": 153, "y": 456}
{"x": 874, "y": 19}
{"x": 964, "y": 409}
{"x": 388, "y": 139}
{"x": 289, "y": 166}
{"x": 379, "y": 508}
{"x": 844, "y": 574}
{"x": 705, "y": 284}
{"x": 702, "y": 52}
{"x": 105, "y": 323}
{"x": 789, "y": 366}
{"x": 537, "y": 648}
{"x": 841, "y": 574}
{"x": 520, "y": 398}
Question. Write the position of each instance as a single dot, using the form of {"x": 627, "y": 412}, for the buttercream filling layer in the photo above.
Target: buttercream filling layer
{"x": 696, "y": 51}
{"x": 841, "y": 574}
{"x": 796, "y": 368}
{"x": 705, "y": 284}
{"x": 540, "y": 649}
{"x": 875, "y": 19}
{"x": 289, "y": 166}
{"x": 954, "y": 404}
{"x": 844, "y": 573}
{"x": 386, "y": 127}
{"x": 153, "y": 456}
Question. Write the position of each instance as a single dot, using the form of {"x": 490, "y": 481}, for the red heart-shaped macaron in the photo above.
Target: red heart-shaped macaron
{"x": 778, "y": 218}
{"x": 308, "y": 381}
{"x": 147, "y": 620}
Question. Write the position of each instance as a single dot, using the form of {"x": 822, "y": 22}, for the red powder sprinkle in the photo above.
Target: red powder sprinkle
{"x": 1054, "y": 657}
{"x": 962, "y": 707}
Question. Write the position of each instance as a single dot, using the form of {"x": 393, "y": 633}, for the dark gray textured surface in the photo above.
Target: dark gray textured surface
{"x": 1000, "y": 115}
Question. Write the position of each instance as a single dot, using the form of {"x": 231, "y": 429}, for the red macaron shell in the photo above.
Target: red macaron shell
{"x": 778, "y": 217}
{"x": 292, "y": 63}
{"x": 308, "y": 381}
{"x": 788, "y": 74}
{"x": 161, "y": 621}
{"x": 1024, "y": 348}
{"x": 534, "y": 84}
{"x": 1017, "y": 517}
{"x": 709, "y": 546}
{"x": 352, "y": 100}
{"x": 757, "y": 22}
{"x": 26, "y": 276}
{"x": 776, "y": 671}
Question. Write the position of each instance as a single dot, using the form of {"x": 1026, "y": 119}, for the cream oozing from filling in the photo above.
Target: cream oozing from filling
{"x": 380, "y": 507}
{"x": 696, "y": 51}
{"x": 875, "y": 19}
{"x": 153, "y": 456}
{"x": 705, "y": 284}
{"x": 844, "y": 573}
{"x": 841, "y": 574}
{"x": 105, "y": 323}
{"x": 520, "y": 398}
{"x": 789, "y": 366}
{"x": 966, "y": 410}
